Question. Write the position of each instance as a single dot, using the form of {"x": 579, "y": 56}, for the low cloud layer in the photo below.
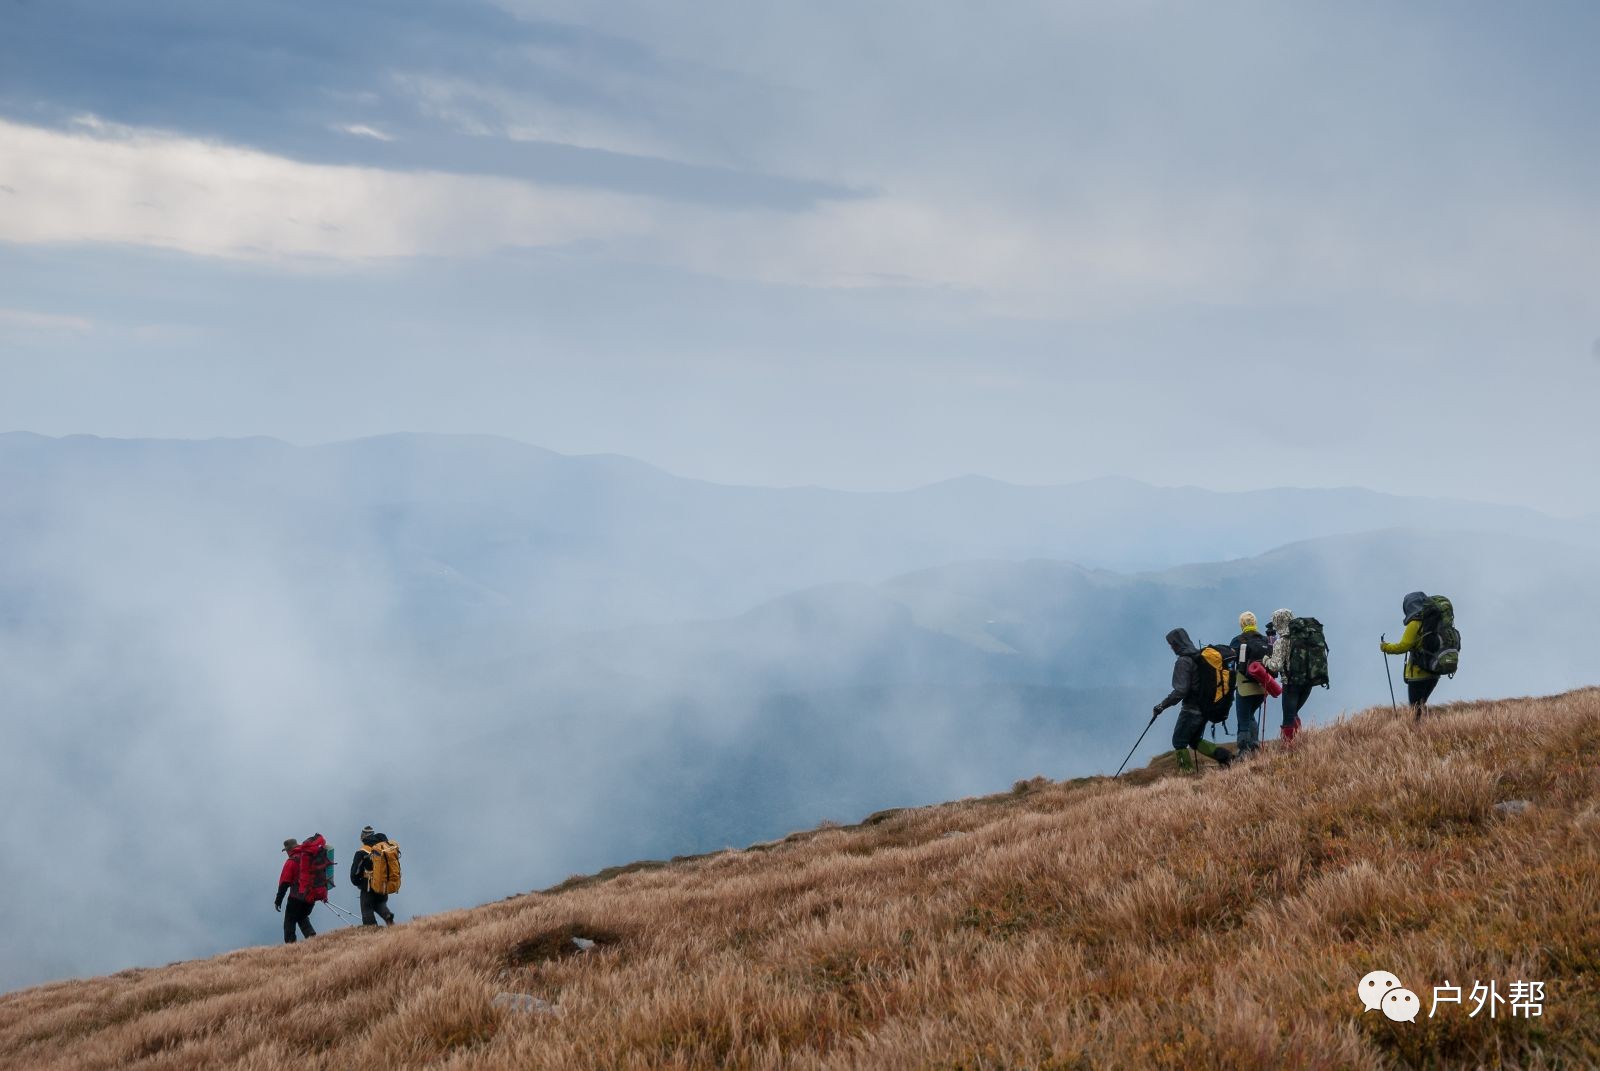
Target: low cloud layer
{"x": 208, "y": 647}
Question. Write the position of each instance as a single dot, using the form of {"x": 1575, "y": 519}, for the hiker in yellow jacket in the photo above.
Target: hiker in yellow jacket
{"x": 1419, "y": 682}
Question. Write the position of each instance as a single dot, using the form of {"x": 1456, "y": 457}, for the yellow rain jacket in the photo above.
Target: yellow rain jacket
{"x": 1407, "y": 645}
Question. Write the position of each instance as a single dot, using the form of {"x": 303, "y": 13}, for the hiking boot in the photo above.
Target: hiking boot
{"x": 1223, "y": 756}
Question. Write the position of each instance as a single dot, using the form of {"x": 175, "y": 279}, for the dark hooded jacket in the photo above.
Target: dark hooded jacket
{"x": 1183, "y": 671}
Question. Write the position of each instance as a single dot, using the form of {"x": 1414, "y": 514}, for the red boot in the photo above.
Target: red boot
{"x": 1288, "y": 731}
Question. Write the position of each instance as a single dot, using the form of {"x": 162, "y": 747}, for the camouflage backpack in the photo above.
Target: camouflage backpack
{"x": 1308, "y": 653}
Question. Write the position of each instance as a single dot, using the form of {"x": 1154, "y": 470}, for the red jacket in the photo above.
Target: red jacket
{"x": 289, "y": 879}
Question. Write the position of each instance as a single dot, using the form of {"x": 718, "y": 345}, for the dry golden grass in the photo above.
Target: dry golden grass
{"x": 1218, "y": 922}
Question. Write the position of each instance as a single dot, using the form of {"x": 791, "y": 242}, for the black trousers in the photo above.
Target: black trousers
{"x": 1294, "y": 697}
{"x": 1417, "y": 692}
{"x": 297, "y": 913}
{"x": 375, "y": 904}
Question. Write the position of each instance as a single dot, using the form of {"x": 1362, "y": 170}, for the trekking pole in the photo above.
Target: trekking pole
{"x": 1261, "y": 720}
{"x": 339, "y": 911}
{"x": 1392, "y": 704}
{"x": 1135, "y": 747}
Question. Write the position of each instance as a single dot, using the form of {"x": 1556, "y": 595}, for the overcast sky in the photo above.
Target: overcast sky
{"x": 861, "y": 245}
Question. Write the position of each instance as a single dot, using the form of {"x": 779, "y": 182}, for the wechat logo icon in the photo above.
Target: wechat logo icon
{"x": 1383, "y": 991}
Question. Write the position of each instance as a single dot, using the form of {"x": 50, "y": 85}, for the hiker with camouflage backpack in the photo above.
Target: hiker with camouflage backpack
{"x": 1202, "y": 680}
{"x": 1431, "y": 644}
{"x": 1299, "y": 659}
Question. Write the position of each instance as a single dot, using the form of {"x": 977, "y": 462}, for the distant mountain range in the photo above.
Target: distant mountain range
{"x": 463, "y": 532}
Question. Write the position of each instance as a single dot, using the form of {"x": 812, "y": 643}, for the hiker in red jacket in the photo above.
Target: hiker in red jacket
{"x": 291, "y": 881}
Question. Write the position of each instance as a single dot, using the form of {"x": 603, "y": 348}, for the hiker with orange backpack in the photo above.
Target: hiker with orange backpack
{"x": 305, "y": 878}
{"x": 1202, "y": 681}
{"x": 375, "y": 870}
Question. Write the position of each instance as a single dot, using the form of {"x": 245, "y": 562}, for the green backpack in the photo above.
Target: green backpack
{"x": 1439, "y": 650}
{"x": 1308, "y": 653}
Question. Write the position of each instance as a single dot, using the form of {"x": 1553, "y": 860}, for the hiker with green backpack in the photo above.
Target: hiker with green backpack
{"x": 1202, "y": 680}
{"x": 1431, "y": 644}
{"x": 1299, "y": 659}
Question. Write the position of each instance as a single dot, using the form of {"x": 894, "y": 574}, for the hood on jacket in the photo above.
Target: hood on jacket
{"x": 1178, "y": 639}
{"x": 1280, "y": 621}
{"x": 1413, "y": 604}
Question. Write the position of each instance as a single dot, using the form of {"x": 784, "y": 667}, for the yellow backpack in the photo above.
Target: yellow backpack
{"x": 1213, "y": 683}
{"x": 384, "y": 877}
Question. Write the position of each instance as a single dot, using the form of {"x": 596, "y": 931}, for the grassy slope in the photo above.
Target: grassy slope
{"x": 1172, "y": 923}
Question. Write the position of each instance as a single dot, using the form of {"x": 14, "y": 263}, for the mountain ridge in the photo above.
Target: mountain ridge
{"x": 962, "y": 480}
{"x": 1091, "y": 923}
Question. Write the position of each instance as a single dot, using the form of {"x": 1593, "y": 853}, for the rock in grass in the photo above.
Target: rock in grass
{"x": 525, "y": 1003}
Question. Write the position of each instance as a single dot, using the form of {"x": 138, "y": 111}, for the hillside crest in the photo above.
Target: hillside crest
{"x": 1222, "y": 921}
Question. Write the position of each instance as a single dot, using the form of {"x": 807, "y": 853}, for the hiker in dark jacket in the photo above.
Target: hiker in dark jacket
{"x": 1295, "y": 693}
{"x": 374, "y": 905}
{"x": 1250, "y": 646}
{"x": 299, "y": 913}
{"x": 1419, "y": 682}
{"x": 1190, "y": 731}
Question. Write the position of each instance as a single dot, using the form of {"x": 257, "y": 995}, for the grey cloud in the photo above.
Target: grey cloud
{"x": 1367, "y": 209}
{"x": 288, "y": 78}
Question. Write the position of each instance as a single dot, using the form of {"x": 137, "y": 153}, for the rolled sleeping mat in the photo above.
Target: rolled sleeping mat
{"x": 1258, "y": 673}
